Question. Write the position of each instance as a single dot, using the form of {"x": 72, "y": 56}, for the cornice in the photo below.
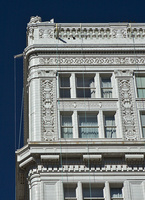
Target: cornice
{"x": 90, "y": 48}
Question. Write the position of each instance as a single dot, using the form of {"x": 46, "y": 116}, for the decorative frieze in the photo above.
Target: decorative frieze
{"x": 92, "y": 60}
{"x": 46, "y": 33}
{"x": 83, "y": 169}
{"x": 47, "y": 109}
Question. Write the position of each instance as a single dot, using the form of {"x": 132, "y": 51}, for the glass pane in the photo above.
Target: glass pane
{"x": 64, "y": 93}
{"x": 69, "y": 192}
{"x": 92, "y": 192}
{"x": 143, "y": 132}
{"x": 66, "y": 120}
{"x": 84, "y": 93}
{"x": 106, "y": 93}
{"x": 88, "y": 132}
{"x": 143, "y": 120}
{"x": 106, "y": 82}
{"x": 110, "y": 132}
{"x": 141, "y": 93}
{"x": 85, "y": 81}
{"x": 109, "y": 121}
{"x": 140, "y": 81}
{"x": 66, "y": 133}
{"x": 116, "y": 192}
{"x": 88, "y": 120}
{"x": 64, "y": 82}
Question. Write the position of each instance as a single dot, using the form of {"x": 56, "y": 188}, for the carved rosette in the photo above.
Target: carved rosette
{"x": 47, "y": 109}
{"x": 127, "y": 104}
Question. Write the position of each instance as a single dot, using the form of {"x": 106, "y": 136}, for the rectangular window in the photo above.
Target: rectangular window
{"x": 106, "y": 88}
{"x": 110, "y": 128}
{"x": 91, "y": 191}
{"x": 70, "y": 192}
{"x": 88, "y": 125}
{"x": 142, "y": 116}
{"x": 140, "y": 82}
{"x": 64, "y": 91}
{"x": 85, "y": 86}
{"x": 66, "y": 126}
{"x": 116, "y": 193}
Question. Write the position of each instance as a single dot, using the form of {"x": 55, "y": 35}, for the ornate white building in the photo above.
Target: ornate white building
{"x": 84, "y": 112}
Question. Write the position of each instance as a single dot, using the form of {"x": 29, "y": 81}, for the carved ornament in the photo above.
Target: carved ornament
{"x": 92, "y": 61}
{"x": 127, "y": 109}
{"x": 47, "y": 110}
{"x": 35, "y": 19}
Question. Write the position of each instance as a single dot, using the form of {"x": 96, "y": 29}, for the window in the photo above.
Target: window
{"x": 66, "y": 126}
{"x": 110, "y": 128}
{"x": 64, "y": 87}
{"x": 69, "y": 192}
{"x": 91, "y": 191}
{"x": 106, "y": 89}
{"x": 116, "y": 193}
{"x": 140, "y": 82}
{"x": 142, "y": 116}
{"x": 88, "y": 125}
{"x": 85, "y": 86}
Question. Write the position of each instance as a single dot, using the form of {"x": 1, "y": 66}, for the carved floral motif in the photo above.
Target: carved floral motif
{"x": 46, "y": 33}
{"x": 128, "y": 116}
{"x": 47, "y": 110}
{"x": 92, "y": 60}
{"x": 31, "y": 32}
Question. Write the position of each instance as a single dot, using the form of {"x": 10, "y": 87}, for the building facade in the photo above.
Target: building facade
{"x": 84, "y": 112}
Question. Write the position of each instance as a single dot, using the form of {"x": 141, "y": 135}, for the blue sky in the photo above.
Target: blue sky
{"x": 14, "y": 16}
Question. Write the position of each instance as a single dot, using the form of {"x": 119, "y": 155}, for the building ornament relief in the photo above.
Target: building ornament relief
{"x": 127, "y": 109}
{"x": 92, "y": 60}
{"x": 83, "y": 168}
{"x": 35, "y": 19}
{"x": 47, "y": 110}
{"x": 46, "y": 33}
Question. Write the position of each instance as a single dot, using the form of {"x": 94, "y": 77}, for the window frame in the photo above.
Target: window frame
{"x": 87, "y": 126}
{"x": 62, "y": 126}
{"x": 61, "y": 88}
{"x": 84, "y": 88}
{"x": 139, "y": 88}
{"x": 109, "y": 114}
{"x": 106, "y": 76}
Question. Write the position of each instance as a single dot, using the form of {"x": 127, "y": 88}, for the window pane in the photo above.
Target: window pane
{"x": 88, "y": 132}
{"x": 69, "y": 192}
{"x": 109, "y": 121}
{"x": 110, "y": 132}
{"x": 143, "y": 119}
{"x": 140, "y": 82}
{"x": 65, "y": 93}
{"x": 64, "y": 82}
{"x": 66, "y": 120}
{"x": 106, "y": 83}
{"x": 141, "y": 93}
{"x": 66, "y": 132}
{"x": 92, "y": 192}
{"x": 116, "y": 192}
{"x": 84, "y": 93}
{"x": 106, "y": 93}
{"x": 88, "y": 120}
{"x": 143, "y": 132}
{"x": 85, "y": 82}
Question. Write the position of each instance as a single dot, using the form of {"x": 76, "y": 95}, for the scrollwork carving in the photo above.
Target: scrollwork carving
{"x": 128, "y": 115}
{"x": 47, "y": 110}
{"x": 92, "y": 60}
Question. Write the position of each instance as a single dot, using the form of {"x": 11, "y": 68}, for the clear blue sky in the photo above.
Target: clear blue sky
{"x": 14, "y": 16}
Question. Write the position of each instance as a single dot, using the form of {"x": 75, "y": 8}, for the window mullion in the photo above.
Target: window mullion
{"x": 107, "y": 191}
{"x": 79, "y": 192}
{"x": 73, "y": 85}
